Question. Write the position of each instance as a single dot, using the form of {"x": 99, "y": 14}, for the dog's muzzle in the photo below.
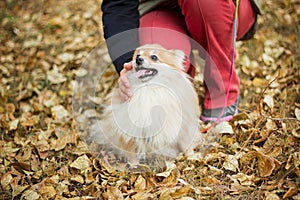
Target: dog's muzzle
{"x": 143, "y": 72}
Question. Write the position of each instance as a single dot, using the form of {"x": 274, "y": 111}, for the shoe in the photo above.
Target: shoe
{"x": 212, "y": 115}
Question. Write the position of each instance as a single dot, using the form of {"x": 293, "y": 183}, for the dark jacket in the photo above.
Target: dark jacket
{"x": 120, "y": 16}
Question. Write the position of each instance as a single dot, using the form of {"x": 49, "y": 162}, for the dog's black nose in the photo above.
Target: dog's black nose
{"x": 139, "y": 60}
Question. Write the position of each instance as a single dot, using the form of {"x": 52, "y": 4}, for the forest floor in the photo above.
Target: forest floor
{"x": 43, "y": 45}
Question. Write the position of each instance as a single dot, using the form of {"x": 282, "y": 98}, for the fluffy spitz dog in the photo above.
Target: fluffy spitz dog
{"x": 162, "y": 117}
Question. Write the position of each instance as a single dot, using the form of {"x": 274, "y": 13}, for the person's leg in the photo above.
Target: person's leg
{"x": 210, "y": 23}
{"x": 167, "y": 28}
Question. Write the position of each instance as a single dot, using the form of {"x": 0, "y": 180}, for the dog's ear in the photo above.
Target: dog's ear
{"x": 179, "y": 58}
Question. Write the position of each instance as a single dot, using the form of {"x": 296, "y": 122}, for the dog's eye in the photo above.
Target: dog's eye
{"x": 154, "y": 57}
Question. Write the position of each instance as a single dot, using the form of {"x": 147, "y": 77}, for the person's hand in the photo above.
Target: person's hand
{"x": 124, "y": 85}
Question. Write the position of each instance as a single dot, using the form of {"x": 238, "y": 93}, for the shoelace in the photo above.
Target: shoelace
{"x": 231, "y": 69}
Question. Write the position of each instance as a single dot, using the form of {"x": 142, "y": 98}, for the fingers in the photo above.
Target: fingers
{"x": 128, "y": 66}
{"x": 124, "y": 85}
{"x": 124, "y": 88}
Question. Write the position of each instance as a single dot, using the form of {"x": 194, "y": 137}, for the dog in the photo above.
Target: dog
{"x": 162, "y": 116}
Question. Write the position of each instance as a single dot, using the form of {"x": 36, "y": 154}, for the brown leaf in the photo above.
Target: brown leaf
{"x": 268, "y": 60}
{"x": 248, "y": 158}
{"x": 57, "y": 21}
{"x": 297, "y": 172}
{"x": 114, "y": 193}
{"x": 167, "y": 173}
{"x": 56, "y": 77}
{"x": 271, "y": 196}
{"x": 82, "y": 163}
{"x": 66, "y": 57}
{"x": 182, "y": 191}
{"x": 59, "y": 113}
{"x": 6, "y": 180}
{"x": 258, "y": 82}
{"x": 223, "y": 127}
{"x": 67, "y": 137}
{"x": 30, "y": 195}
{"x": 43, "y": 147}
{"x": 297, "y": 113}
{"x": 271, "y": 125}
{"x": 296, "y": 133}
{"x": 268, "y": 100}
{"x": 13, "y": 125}
{"x": 10, "y": 108}
{"x": 292, "y": 190}
{"x": 231, "y": 162}
{"x": 141, "y": 196}
{"x": 241, "y": 179}
{"x": 266, "y": 165}
{"x": 293, "y": 160}
{"x": 77, "y": 178}
{"x": 28, "y": 121}
{"x": 166, "y": 194}
{"x": 47, "y": 192}
{"x": 48, "y": 98}
{"x": 140, "y": 183}
{"x": 9, "y": 150}
{"x": 212, "y": 180}
{"x": 18, "y": 189}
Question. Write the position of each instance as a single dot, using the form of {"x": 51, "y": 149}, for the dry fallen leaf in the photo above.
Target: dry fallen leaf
{"x": 268, "y": 60}
{"x": 81, "y": 72}
{"x": 59, "y": 113}
{"x": 269, "y": 101}
{"x": 271, "y": 125}
{"x": 18, "y": 189}
{"x": 47, "y": 192}
{"x": 243, "y": 179}
{"x": 259, "y": 82}
{"x": 30, "y": 195}
{"x": 297, "y": 113}
{"x": 56, "y": 77}
{"x": 114, "y": 193}
{"x": 66, "y": 57}
{"x": 223, "y": 128}
{"x": 14, "y": 124}
{"x": 28, "y": 121}
{"x": 170, "y": 167}
{"x": 293, "y": 160}
{"x": 291, "y": 191}
{"x": 140, "y": 183}
{"x": 272, "y": 196}
{"x": 82, "y": 163}
{"x": 57, "y": 21}
{"x": 265, "y": 164}
{"x": 78, "y": 179}
{"x": 231, "y": 163}
{"x": 6, "y": 180}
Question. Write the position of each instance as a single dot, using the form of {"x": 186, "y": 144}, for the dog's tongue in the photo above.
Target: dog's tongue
{"x": 140, "y": 73}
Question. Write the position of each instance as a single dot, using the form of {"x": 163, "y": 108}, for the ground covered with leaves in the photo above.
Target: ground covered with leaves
{"x": 43, "y": 46}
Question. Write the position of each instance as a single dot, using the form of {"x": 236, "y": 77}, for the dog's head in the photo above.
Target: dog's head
{"x": 149, "y": 61}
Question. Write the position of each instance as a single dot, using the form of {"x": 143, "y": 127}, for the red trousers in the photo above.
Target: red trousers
{"x": 209, "y": 24}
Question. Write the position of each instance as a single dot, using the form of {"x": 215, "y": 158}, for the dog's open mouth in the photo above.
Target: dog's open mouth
{"x": 142, "y": 72}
